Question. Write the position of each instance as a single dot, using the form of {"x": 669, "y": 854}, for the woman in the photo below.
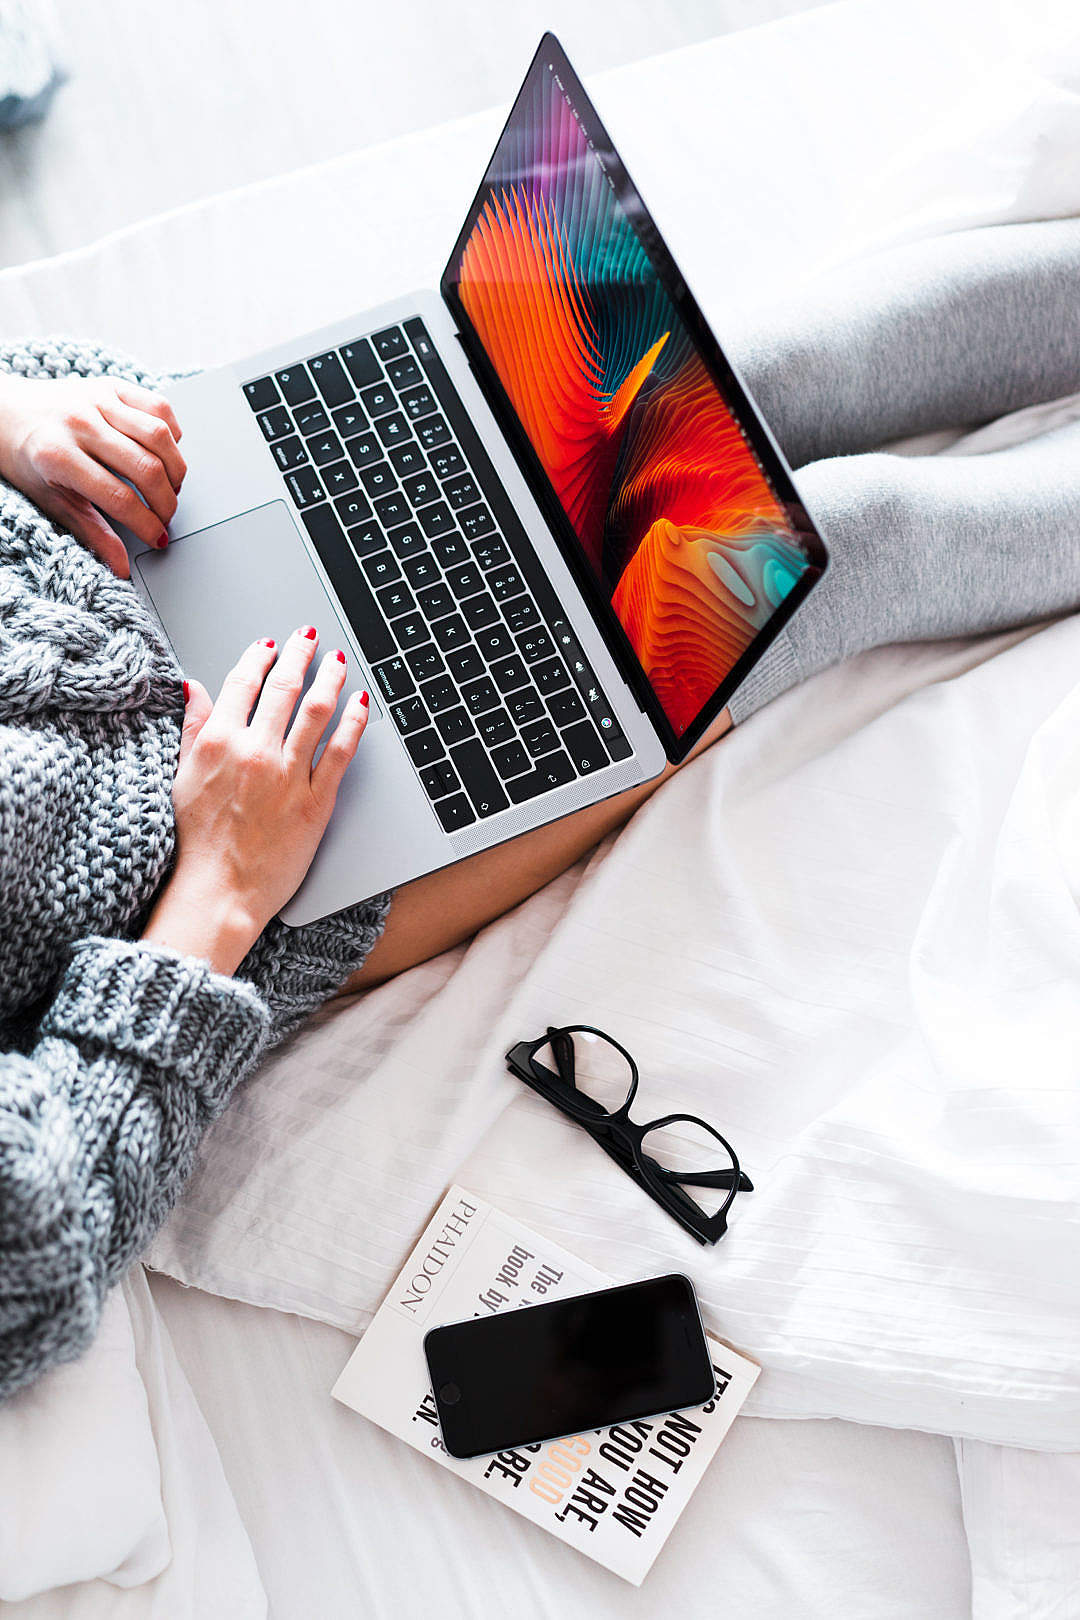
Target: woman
{"x": 149, "y": 836}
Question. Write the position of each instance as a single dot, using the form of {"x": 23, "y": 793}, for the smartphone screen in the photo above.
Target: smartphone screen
{"x": 569, "y": 1366}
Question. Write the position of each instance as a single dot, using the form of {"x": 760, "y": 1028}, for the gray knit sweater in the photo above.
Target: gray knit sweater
{"x": 114, "y": 1056}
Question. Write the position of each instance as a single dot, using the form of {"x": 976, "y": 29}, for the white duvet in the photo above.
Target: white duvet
{"x": 849, "y": 934}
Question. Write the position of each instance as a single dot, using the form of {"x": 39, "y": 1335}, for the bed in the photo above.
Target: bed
{"x": 884, "y": 1027}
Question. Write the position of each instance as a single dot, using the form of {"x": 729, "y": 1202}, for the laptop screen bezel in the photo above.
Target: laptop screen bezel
{"x": 730, "y": 385}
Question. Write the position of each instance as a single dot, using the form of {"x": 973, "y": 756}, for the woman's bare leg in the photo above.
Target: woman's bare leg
{"x": 434, "y": 912}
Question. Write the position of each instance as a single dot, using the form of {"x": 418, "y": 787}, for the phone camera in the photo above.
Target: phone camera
{"x": 449, "y": 1394}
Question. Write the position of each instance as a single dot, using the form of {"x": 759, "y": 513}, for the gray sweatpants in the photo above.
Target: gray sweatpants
{"x": 951, "y": 332}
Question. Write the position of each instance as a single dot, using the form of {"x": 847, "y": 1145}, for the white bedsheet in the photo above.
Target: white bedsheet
{"x": 832, "y": 162}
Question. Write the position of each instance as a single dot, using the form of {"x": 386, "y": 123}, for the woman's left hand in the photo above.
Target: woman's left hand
{"x": 68, "y": 444}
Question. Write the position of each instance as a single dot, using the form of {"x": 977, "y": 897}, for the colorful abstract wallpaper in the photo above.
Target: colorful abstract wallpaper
{"x": 662, "y": 488}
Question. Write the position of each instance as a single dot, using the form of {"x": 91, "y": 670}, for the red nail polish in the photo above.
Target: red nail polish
{"x": 162, "y": 540}
{"x": 187, "y": 693}
{"x": 340, "y": 656}
{"x": 365, "y": 700}
{"x": 268, "y": 641}
{"x": 309, "y": 631}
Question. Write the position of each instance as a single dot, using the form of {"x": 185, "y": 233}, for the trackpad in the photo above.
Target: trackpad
{"x": 221, "y": 588}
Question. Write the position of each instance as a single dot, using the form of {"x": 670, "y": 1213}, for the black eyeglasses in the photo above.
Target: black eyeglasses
{"x": 593, "y": 1080}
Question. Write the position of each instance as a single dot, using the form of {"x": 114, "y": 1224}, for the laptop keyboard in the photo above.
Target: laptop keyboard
{"x": 468, "y": 645}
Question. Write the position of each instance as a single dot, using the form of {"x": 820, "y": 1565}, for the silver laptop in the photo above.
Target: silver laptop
{"x": 537, "y": 509}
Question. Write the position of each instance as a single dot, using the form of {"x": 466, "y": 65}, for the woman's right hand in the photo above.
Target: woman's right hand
{"x": 251, "y": 804}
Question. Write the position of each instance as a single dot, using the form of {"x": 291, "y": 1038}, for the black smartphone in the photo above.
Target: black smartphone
{"x": 569, "y": 1366}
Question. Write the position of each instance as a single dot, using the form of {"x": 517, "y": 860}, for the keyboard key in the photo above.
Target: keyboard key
{"x": 276, "y": 423}
{"x": 392, "y": 510}
{"x": 362, "y": 364}
{"x": 421, "y": 571}
{"x": 407, "y": 540}
{"x": 481, "y": 783}
{"x": 289, "y": 453}
{"x": 353, "y": 508}
{"x": 339, "y": 476}
{"x": 480, "y": 696}
{"x": 585, "y": 748}
{"x": 418, "y": 402}
{"x": 262, "y": 394}
{"x": 295, "y": 384}
{"x": 353, "y": 591}
{"x": 378, "y": 400}
{"x": 477, "y": 521}
{"x": 422, "y": 489}
{"x": 436, "y": 519}
{"x": 540, "y": 738}
{"x": 441, "y": 779}
{"x": 451, "y": 632}
{"x": 330, "y": 379}
{"x": 461, "y": 491}
{"x": 395, "y": 599}
{"x": 311, "y": 419}
{"x": 447, "y": 461}
{"x": 409, "y": 715}
{"x": 495, "y": 728}
{"x": 432, "y": 431}
{"x": 550, "y": 676}
{"x": 490, "y": 553}
{"x": 495, "y": 643}
{"x": 425, "y": 747}
{"x": 454, "y": 726}
{"x": 526, "y": 706}
{"x": 407, "y": 459}
{"x": 382, "y": 569}
{"x": 454, "y": 813}
{"x": 535, "y": 644}
{"x": 465, "y": 664}
{"x": 393, "y": 679}
{"x": 509, "y": 674}
{"x": 440, "y": 694}
{"x": 480, "y": 611}
{"x": 325, "y": 447}
{"x": 521, "y": 614}
{"x": 390, "y": 343}
{"x": 365, "y": 538}
{"x": 363, "y": 450}
{"x": 411, "y": 631}
{"x": 304, "y": 487}
{"x": 349, "y": 420}
{"x": 505, "y": 582}
{"x": 465, "y": 581}
{"x": 378, "y": 479}
{"x": 552, "y": 772}
{"x": 565, "y": 708}
{"x": 510, "y": 760}
{"x": 426, "y": 662}
{"x": 404, "y": 372}
{"x": 393, "y": 429}
{"x": 450, "y": 549}
{"x": 435, "y": 602}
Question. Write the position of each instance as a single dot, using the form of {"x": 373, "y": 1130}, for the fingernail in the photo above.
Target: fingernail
{"x": 309, "y": 631}
{"x": 187, "y": 693}
{"x": 162, "y": 540}
{"x": 364, "y": 699}
{"x": 340, "y": 656}
{"x": 268, "y": 641}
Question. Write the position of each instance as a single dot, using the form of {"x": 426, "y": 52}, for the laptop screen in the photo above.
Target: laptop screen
{"x": 683, "y": 514}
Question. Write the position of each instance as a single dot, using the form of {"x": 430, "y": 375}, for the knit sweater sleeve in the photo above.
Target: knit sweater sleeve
{"x": 100, "y": 1116}
{"x": 296, "y": 969}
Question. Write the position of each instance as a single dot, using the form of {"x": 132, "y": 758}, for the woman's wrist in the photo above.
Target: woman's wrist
{"x": 197, "y": 917}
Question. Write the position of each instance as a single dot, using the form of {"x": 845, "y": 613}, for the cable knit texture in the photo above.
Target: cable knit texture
{"x": 114, "y": 1056}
